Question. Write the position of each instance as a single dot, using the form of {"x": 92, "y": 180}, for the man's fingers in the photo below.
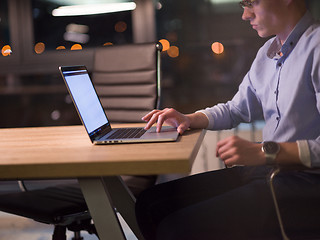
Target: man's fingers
{"x": 168, "y": 116}
{"x": 148, "y": 116}
{"x": 182, "y": 128}
{"x": 151, "y": 118}
{"x": 162, "y": 117}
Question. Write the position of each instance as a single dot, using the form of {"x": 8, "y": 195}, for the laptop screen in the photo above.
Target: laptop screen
{"x": 85, "y": 98}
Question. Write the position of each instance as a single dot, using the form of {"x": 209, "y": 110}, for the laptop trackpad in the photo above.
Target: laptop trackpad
{"x": 166, "y": 131}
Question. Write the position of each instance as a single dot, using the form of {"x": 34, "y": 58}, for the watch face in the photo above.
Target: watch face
{"x": 271, "y": 147}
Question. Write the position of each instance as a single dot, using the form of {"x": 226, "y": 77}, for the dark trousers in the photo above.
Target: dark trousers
{"x": 233, "y": 203}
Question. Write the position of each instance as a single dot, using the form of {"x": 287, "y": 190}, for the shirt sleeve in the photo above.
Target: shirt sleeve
{"x": 304, "y": 153}
{"x": 314, "y": 145}
{"x": 244, "y": 107}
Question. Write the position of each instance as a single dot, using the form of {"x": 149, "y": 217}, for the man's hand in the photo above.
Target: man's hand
{"x": 169, "y": 116}
{"x": 237, "y": 151}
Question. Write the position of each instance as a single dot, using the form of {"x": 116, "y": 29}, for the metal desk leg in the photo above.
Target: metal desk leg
{"x": 124, "y": 202}
{"x": 101, "y": 209}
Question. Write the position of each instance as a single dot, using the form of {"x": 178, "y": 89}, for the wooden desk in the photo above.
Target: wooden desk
{"x": 66, "y": 152}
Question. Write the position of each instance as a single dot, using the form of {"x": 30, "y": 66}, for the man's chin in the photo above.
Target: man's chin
{"x": 264, "y": 34}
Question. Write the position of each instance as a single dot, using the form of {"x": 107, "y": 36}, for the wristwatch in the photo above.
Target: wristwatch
{"x": 270, "y": 149}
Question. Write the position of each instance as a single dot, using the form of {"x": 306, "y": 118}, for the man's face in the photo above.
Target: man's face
{"x": 266, "y": 17}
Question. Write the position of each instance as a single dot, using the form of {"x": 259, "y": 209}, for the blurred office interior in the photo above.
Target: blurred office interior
{"x": 208, "y": 50}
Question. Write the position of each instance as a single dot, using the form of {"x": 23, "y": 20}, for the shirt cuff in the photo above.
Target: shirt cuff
{"x": 304, "y": 153}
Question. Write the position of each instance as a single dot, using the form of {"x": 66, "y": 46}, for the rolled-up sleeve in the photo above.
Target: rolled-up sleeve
{"x": 244, "y": 107}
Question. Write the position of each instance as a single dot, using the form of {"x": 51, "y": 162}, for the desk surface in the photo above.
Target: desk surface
{"x": 67, "y": 152}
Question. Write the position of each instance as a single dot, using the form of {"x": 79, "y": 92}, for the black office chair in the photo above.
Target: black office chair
{"x": 61, "y": 205}
{"x": 285, "y": 233}
{"x": 127, "y": 79}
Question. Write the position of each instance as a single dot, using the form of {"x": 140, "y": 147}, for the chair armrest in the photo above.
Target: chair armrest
{"x": 275, "y": 171}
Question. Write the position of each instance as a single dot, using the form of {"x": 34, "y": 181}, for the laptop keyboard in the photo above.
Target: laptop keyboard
{"x": 127, "y": 133}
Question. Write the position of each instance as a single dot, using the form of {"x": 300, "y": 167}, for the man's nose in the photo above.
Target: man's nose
{"x": 247, "y": 14}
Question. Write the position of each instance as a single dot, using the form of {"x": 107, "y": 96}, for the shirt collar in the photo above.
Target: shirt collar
{"x": 276, "y": 47}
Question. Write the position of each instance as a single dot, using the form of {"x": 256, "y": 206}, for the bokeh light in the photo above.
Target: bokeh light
{"x": 76, "y": 47}
{"x": 61, "y": 48}
{"x": 120, "y": 27}
{"x": 165, "y": 44}
{"x": 217, "y": 48}
{"x": 107, "y": 44}
{"x": 172, "y": 36}
{"x": 39, "y": 47}
{"x": 6, "y": 50}
{"x": 173, "y": 51}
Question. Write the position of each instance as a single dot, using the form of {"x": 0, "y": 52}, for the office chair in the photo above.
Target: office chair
{"x": 62, "y": 206}
{"x": 127, "y": 79}
{"x": 286, "y": 235}
{"x": 124, "y": 77}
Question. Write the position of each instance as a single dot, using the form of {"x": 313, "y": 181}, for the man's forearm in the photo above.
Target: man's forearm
{"x": 289, "y": 154}
{"x": 198, "y": 120}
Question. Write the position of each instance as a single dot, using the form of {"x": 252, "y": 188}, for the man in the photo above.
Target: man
{"x": 283, "y": 87}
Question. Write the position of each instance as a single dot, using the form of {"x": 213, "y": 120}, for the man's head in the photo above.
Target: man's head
{"x": 273, "y": 17}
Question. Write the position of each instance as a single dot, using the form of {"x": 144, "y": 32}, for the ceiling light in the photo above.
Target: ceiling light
{"x": 223, "y": 1}
{"x": 91, "y": 9}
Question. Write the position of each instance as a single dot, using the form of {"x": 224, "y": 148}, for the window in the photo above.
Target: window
{"x": 31, "y": 89}
{"x": 210, "y": 50}
{"x": 57, "y": 31}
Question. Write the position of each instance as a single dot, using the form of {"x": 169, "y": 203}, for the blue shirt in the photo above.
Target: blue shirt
{"x": 284, "y": 90}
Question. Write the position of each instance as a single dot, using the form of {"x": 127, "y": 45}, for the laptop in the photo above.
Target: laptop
{"x": 94, "y": 118}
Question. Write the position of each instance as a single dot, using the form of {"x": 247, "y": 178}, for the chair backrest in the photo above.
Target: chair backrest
{"x": 127, "y": 80}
